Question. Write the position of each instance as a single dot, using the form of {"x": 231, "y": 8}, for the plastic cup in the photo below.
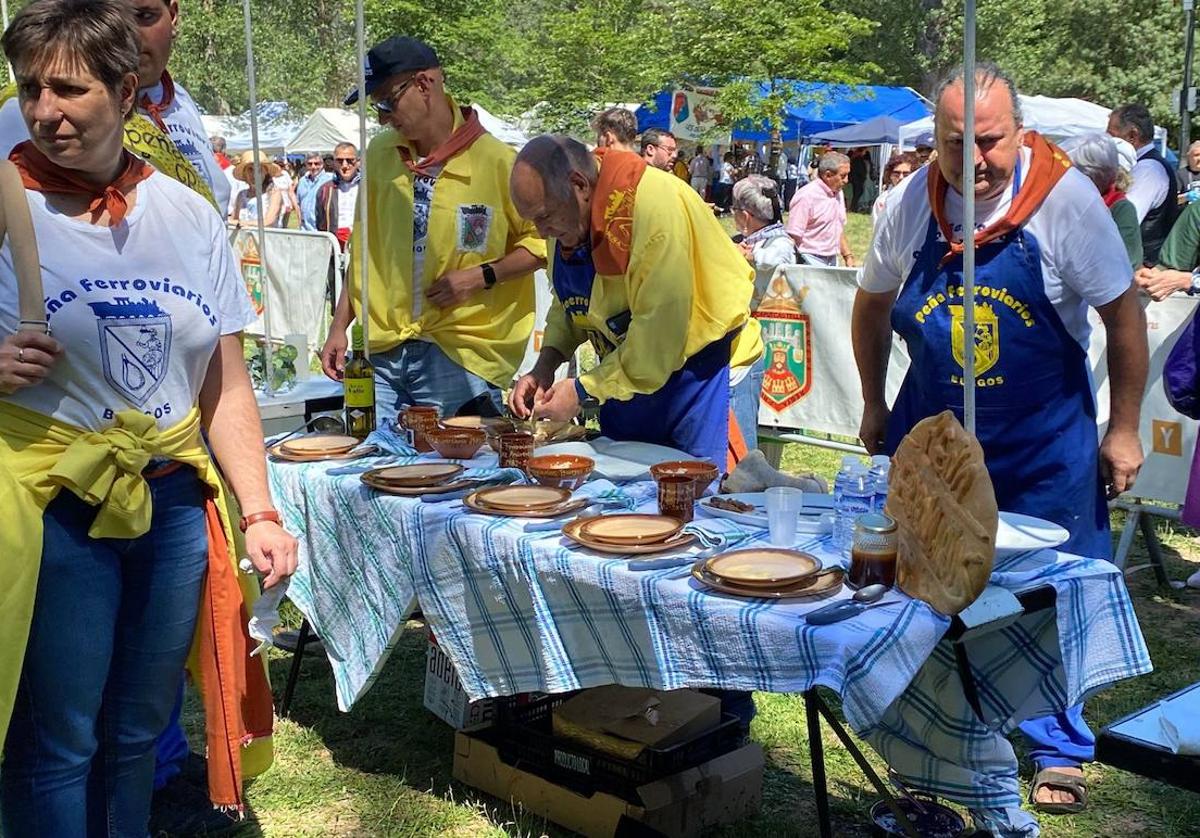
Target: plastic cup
{"x": 784, "y": 505}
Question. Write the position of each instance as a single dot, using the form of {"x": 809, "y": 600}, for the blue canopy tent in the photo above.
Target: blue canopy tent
{"x": 826, "y": 107}
{"x": 877, "y": 131}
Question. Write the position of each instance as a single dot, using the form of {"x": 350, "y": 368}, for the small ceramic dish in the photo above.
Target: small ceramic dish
{"x": 456, "y": 443}
{"x": 702, "y": 471}
{"x": 564, "y": 471}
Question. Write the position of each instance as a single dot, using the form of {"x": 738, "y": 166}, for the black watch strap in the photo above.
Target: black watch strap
{"x": 489, "y": 275}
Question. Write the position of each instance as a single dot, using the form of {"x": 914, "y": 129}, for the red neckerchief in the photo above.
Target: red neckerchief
{"x": 222, "y": 160}
{"x": 1047, "y": 165}
{"x": 168, "y": 99}
{"x": 40, "y": 174}
{"x": 459, "y": 141}
{"x": 612, "y": 209}
{"x": 1112, "y": 196}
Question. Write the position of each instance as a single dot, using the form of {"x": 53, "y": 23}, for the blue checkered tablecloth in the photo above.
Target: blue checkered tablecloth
{"x": 521, "y": 611}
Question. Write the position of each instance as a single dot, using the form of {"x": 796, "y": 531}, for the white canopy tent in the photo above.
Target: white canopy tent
{"x": 326, "y": 127}
{"x": 1050, "y": 117}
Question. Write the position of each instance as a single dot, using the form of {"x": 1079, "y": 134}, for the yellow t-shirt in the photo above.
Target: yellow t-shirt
{"x": 472, "y": 220}
{"x": 687, "y": 285}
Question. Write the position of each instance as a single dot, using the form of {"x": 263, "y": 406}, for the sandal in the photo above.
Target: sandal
{"x": 1050, "y": 778}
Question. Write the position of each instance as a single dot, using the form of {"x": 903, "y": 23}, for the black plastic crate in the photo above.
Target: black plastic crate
{"x": 524, "y": 737}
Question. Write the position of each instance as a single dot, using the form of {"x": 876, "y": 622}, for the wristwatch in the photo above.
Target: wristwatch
{"x": 489, "y": 275}
{"x": 1194, "y": 289}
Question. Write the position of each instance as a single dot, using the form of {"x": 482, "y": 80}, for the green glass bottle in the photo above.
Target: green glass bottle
{"x": 359, "y": 382}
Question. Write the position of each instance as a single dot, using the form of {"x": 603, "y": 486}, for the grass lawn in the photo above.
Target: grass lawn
{"x": 385, "y": 768}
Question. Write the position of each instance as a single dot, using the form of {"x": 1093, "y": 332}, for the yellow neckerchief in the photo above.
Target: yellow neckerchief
{"x": 155, "y": 146}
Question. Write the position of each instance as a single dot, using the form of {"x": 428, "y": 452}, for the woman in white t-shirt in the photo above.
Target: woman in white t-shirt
{"x": 113, "y": 530}
{"x": 245, "y": 208}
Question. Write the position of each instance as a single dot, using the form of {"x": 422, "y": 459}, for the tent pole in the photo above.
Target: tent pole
{"x": 360, "y": 234}
{"x": 968, "y": 189}
{"x": 268, "y": 368}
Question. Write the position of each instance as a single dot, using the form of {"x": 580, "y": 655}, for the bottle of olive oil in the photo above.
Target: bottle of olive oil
{"x": 359, "y": 382}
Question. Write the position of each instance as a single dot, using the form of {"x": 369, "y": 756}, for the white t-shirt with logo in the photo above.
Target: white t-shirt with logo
{"x": 1084, "y": 263}
{"x": 423, "y": 186}
{"x": 347, "y": 197}
{"x": 138, "y": 307}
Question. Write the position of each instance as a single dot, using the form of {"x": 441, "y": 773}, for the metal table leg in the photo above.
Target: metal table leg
{"x": 285, "y": 703}
{"x": 816, "y": 753}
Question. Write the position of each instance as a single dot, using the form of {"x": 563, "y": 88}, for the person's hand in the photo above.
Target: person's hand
{"x": 454, "y": 287}
{"x": 560, "y": 402}
{"x": 873, "y": 430}
{"x": 333, "y": 353}
{"x": 1120, "y": 460}
{"x": 272, "y": 551}
{"x": 528, "y": 390}
{"x": 747, "y": 251}
{"x": 1160, "y": 283}
{"x": 848, "y": 258}
{"x": 25, "y": 359}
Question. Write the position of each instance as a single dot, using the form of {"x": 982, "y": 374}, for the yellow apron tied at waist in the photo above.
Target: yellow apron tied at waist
{"x": 40, "y": 456}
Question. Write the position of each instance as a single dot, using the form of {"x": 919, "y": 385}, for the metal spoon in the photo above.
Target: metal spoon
{"x": 864, "y": 598}
{"x": 870, "y": 593}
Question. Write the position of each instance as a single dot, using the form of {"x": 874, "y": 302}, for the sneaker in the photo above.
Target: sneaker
{"x": 180, "y": 809}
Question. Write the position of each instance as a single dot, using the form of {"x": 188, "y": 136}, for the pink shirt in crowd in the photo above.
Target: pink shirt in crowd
{"x": 816, "y": 219}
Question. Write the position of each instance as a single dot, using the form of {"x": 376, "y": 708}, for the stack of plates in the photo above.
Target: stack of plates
{"x": 628, "y": 534}
{"x": 523, "y": 501}
{"x": 416, "y": 479}
{"x": 766, "y": 572}
{"x": 319, "y": 447}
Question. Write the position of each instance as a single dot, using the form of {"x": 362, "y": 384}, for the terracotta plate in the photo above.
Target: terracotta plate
{"x": 319, "y": 445}
{"x": 278, "y": 453}
{"x": 522, "y": 498}
{"x": 631, "y": 529}
{"x": 416, "y": 474}
{"x": 818, "y": 585}
{"x": 414, "y": 491}
{"x": 472, "y": 503}
{"x": 572, "y": 530}
{"x": 762, "y": 567}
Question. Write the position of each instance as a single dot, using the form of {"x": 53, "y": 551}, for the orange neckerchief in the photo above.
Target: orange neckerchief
{"x": 612, "y": 209}
{"x": 154, "y": 111}
{"x": 1047, "y": 165}
{"x": 40, "y": 174}
{"x": 238, "y": 706}
{"x": 458, "y": 141}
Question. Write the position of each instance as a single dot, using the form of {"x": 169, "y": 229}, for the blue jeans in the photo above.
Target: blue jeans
{"x": 419, "y": 372}
{"x": 112, "y": 623}
{"x": 743, "y": 399}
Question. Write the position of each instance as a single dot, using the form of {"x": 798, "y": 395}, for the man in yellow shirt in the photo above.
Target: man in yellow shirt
{"x": 450, "y": 267}
{"x": 644, "y": 271}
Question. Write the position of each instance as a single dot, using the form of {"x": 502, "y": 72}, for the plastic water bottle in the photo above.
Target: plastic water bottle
{"x": 881, "y": 467}
{"x": 854, "y": 498}
{"x": 847, "y": 461}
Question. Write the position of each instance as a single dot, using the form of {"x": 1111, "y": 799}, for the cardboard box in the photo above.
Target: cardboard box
{"x": 723, "y": 790}
{"x": 622, "y": 720}
{"x": 444, "y": 695}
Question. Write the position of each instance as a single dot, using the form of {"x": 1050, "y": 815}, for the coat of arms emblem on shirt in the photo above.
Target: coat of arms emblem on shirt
{"x": 787, "y": 339}
{"x": 135, "y": 344}
{"x": 474, "y": 224}
{"x": 987, "y": 337}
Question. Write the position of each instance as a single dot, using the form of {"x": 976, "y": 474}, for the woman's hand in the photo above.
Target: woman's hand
{"x": 272, "y": 551}
{"x": 25, "y": 359}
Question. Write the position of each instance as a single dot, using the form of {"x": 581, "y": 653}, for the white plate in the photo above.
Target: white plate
{"x": 618, "y": 461}
{"x": 1020, "y": 533}
{"x": 814, "y": 521}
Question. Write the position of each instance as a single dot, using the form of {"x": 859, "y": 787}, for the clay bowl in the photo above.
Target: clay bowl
{"x": 702, "y": 471}
{"x": 494, "y": 427}
{"x": 563, "y": 471}
{"x": 456, "y": 443}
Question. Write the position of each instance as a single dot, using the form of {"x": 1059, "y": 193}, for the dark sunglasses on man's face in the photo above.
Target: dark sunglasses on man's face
{"x": 345, "y": 161}
{"x": 386, "y": 106}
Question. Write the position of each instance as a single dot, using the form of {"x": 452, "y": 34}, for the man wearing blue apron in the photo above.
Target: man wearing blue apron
{"x": 646, "y": 274}
{"x": 1046, "y": 250}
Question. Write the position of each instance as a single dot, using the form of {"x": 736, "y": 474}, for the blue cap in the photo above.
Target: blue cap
{"x": 400, "y": 54}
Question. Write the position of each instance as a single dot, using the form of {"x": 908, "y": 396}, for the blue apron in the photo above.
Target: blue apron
{"x": 689, "y": 412}
{"x": 1035, "y": 414}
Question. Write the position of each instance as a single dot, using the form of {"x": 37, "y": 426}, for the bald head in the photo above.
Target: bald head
{"x": 552, "y": 183}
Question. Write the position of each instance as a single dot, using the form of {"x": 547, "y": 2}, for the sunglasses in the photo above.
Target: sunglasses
{"x": 345, "y": 161}
{"x": 386, "y": 106}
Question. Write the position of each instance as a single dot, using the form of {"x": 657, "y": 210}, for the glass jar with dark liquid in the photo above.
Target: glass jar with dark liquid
{"x": 873, "y": 551}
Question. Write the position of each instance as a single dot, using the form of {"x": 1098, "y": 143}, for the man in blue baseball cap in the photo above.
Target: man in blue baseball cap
{"x": 450, "y": 268}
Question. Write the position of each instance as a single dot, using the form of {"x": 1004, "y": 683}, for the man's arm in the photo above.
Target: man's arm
{"x": 1128, "y": 362}
{"x": 871, "y": 338}
{"x": 1150, "y": 188}
{"x": 798, "y": 215}
{"x": 847, "y": 255}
